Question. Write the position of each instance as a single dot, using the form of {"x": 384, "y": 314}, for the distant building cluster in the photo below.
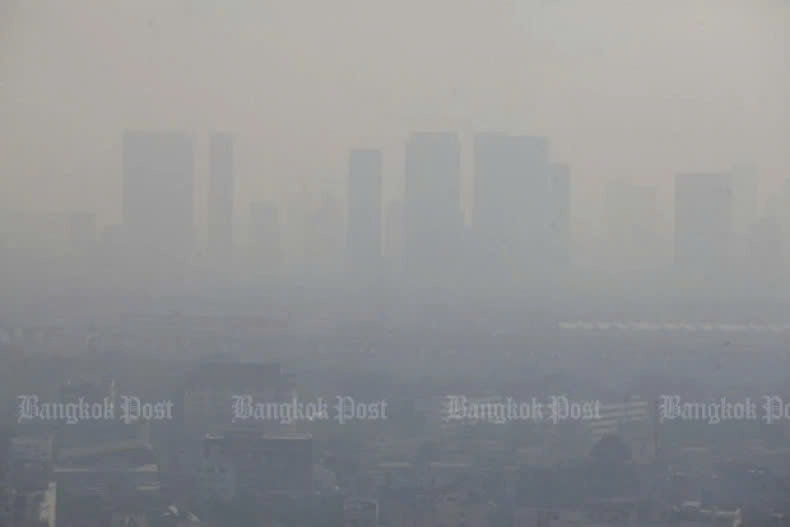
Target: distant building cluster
{"x": 520, "y": 223}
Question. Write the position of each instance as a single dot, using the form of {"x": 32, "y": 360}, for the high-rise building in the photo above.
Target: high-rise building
{"x": 364, "y": 210}
{"x": 158, "y": 192}
{"x": 265, "y": 231}
{"x": 433, "y": 222}
{"x": 703, "y": 222}
{"x": 220, "y": 195}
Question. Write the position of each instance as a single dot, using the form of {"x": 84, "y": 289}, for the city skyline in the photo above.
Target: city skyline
{"x": 523, "y": 211}
{"x": 412, "y": 263}
{"x": 635, "y": 106}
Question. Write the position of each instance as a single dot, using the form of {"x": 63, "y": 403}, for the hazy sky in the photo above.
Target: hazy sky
{"x": 635, "y": 89}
